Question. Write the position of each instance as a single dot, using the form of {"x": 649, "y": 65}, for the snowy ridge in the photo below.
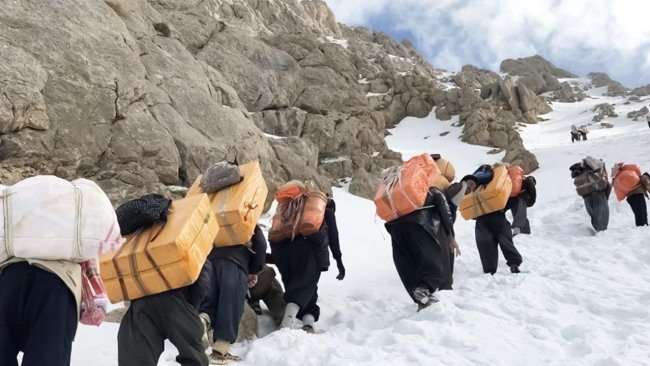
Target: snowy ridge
{"x": 581, "y": 299}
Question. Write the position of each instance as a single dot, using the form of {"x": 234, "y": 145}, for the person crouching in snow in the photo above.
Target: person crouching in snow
{"x": 300, "y": 261}
{"x": 454, "y": 195}
{"x": 234, "y": 269}
{"x": 420, "y": 257}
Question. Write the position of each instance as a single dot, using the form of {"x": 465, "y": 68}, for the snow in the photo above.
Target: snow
{"x": 341, "y": 42}
{"x": 581, "y": 299}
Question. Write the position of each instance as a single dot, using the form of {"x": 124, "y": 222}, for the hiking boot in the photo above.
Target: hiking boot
{"x": 422, "y": 296}
{"x": 432, "y": 300}
{"x": 516, "y": 231}
{"x": 514, "y": 269}
{"x": 216, "y": 358}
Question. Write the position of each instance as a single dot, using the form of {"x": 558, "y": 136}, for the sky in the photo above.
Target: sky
{"x": 581, "y": 36}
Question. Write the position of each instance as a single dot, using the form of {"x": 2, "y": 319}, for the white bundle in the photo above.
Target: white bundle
{"x": 49, "y": 218}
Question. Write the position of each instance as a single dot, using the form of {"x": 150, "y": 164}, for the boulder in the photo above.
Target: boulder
{"x": 568, "y": 94}
{"x": 364, "y": 184}
{"x": 638, "y": 113}
{"x": 536, "y": 73}
{"x": 641, "y": 91}
{"x": 603, "y": 111}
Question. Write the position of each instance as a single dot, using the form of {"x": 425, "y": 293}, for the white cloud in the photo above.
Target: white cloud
{"x": 580, "y": 35}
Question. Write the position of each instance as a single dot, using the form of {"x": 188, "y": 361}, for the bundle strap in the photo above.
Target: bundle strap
{"x": 6, "y": 206}
{"x": 78, "y": 203}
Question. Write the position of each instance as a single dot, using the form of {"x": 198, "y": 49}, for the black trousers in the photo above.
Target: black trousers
{"x": 225, "y": 302}
{"x": 38, "y": 316}
{"x": 598, "y": 210}
{"x": 519, "y": 214}
{"x": 447, "y": 257}
{"x": 298, "y": 264}
{"x": 417, "y": 257}
{"x": 152, "y": 319}
{"x": 493, "y": 231}
{"x": 638, "y": 204}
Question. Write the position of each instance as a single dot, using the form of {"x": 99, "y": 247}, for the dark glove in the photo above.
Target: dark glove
{"x": 339, "y": 265}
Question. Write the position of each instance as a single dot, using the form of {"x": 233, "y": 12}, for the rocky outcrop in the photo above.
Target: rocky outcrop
{"x": 516, "y": 98}
{"x": 614, "y": 88}
{"x": 638, "y": 113}
{"x": 641, "y": 91}
{"x": 538, "y": 74}
{"x": 143, "y": 95}
{"x": 364, "y": 184}
{"x": 603, "y": 111}
{"x": 568, "y": 94}
{"x": 471, "y": 76}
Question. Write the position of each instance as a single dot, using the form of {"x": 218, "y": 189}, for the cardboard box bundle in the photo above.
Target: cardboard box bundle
{"x": 238, "y": 207}
{"x": 168, "y": 255}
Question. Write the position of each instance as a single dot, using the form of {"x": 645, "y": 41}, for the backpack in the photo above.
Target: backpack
{"x": 300, "y": 211}
{"x": 219, "y": 176}
{"x": 484, "y": 174}
{"x": 626, "y": 180}
{"x": 516, "y": 174}
{"x": 404, "y": 188}
{"x": 141, "y": 212}
{"x": 590, "y": 181}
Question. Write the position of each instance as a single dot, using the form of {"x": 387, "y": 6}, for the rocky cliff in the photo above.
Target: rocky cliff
{"x": 142, "y": 95}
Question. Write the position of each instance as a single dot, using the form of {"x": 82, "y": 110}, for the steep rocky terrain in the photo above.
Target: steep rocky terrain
{"x": 142, "y": 95}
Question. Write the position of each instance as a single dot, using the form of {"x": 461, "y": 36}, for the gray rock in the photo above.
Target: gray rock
{"x": 638, "y": 113}
{"x": 538, "y": 74}
{"x": 364, "y": 184}
{"x": 603, "y": 111}
{"x": 568, "y": 94}
{"x": 641, "y": 91}
{"x": 247, "y": 325}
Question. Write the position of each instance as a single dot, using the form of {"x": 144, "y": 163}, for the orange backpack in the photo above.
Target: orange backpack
{"x": 516, "y": 174}
{"x": 627, "y": 180}
{"x": 404, "y": 188}
{"x": 300, "y": 211}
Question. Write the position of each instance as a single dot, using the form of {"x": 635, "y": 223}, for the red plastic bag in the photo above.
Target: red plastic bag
{"x": 93, "y": 295}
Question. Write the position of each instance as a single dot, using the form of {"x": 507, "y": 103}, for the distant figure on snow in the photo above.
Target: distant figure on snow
{"x": 575, "y": 135}
{"x": 590, "y": 179}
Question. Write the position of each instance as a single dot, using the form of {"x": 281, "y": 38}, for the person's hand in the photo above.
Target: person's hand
{"x": 454, "y": 247}
{"x": 339, "y": 265}
{"x": 252, "y": 280}
{"x": 101, "y": 303}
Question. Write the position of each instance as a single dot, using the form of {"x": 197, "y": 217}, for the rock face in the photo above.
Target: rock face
{"x": 614, "y": 88}
{"x": 144, "y": 94}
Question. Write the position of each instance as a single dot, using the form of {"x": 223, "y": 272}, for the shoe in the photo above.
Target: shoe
{"x": 514, "y": 269}
{"x": 308, "y": 322}
{"x": 217, "y": 358}
{"x": 205, "y": 338}
{"x": 422, "y": 296}
{"x": 432, "y": 300}
{"x": 516, "y": 231}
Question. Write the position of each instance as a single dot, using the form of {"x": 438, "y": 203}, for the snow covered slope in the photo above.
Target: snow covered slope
{"x": 582, "y": 299}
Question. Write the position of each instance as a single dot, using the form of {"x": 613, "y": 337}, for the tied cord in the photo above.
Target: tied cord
{"x": 292, "y": 212}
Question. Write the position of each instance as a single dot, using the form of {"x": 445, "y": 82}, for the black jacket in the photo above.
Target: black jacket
{"x": 326, "y": 239}
{"x": 435, "y": 215}
{"x": 250, "y": 256}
